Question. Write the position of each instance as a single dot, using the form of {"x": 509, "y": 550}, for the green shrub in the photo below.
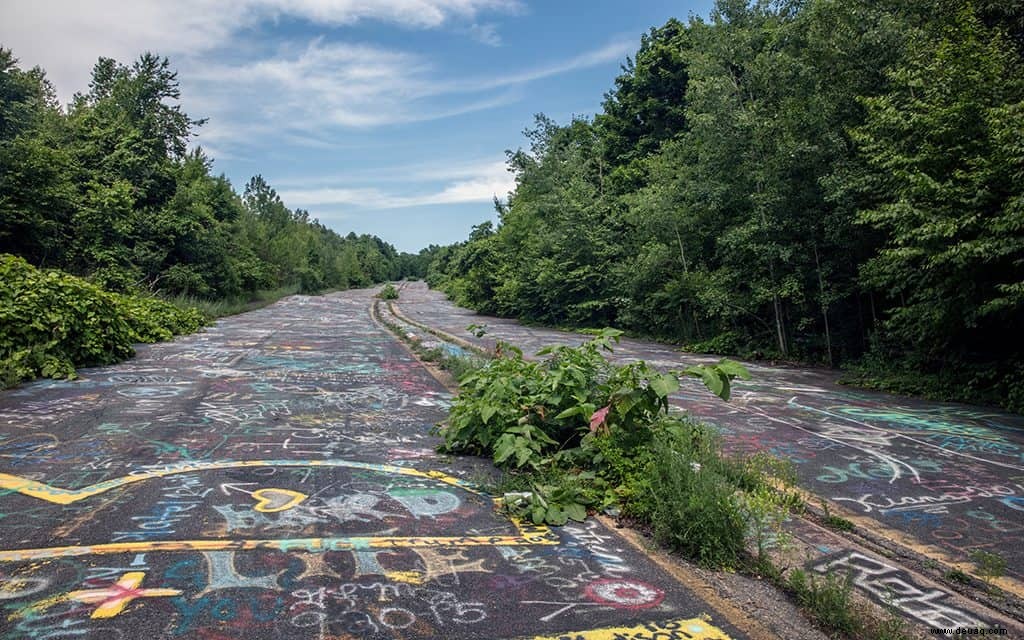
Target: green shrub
{"x": 828, "y": 599}
{"x": 522, "y": 411}
{"x": 693, "y": 499}
{"x": 574, "y": 433}
{"x": 51, "y": 322}
{"x": 577, "y": 431}
{"x": 388, "y": 292}
{"x": 991, "y": 566}
{"x": 311, "y": 281}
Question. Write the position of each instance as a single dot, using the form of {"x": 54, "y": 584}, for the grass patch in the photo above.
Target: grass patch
{"x": 692, "y": 500}
{"x": 838, "y": 523}
{"x": 834, "y": 522}
{"x": 957, "y": 576}
{"x": 828, "y": 599}
{"x": 219, "y": 308}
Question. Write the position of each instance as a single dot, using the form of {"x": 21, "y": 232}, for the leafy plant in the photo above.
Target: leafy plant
{"x": 51, "y": 322}
{"x": 388, "y": 292}
{"x": 551, "y": 503}
{"x": 477, "y": 330}
{"x": 533, "y": 409}
{"x": 582, "y": 433}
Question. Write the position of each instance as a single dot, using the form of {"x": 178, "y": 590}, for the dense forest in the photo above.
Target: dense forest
{"x": 833, "y": 181}
{"x": 109, "y": 189}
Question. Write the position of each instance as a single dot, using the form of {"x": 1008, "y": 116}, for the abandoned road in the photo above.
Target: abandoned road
{"x": 944, "y": 479}
{"x": 274, "y": 477}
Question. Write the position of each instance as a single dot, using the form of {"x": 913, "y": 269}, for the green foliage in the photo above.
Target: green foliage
{"x": 523, "y": 411}
{"x": 694, "y": 506}
{"x": 809, "y": 180}
{"x": 991, "y": 566}
{"x": 838, "y": 523}
{"x": 828, "y": 599}
{"x": 109, "y": 191}
{"x": 958, "y": 576}
{"x": 562, "y": 498}
{"x": 388, "y": 292}
{"x": 576, "y": 433}
{"x": 51, "y": 322}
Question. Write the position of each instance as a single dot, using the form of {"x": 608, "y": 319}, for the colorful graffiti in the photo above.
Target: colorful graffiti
{"x": 275, "y": 476}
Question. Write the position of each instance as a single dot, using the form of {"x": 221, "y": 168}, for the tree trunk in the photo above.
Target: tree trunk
{"x": 824, "y": 307}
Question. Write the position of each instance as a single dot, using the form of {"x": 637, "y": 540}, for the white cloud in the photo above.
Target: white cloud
{"x": 444, "y": 170}
{"x": 485, "y": 34}
{"x": 607, "y": 53}
{"x": 329, "y": 85}
{"x": 479, "y": 183}
{"x": 66, "y": 36}
{"x": 260, "y": 92}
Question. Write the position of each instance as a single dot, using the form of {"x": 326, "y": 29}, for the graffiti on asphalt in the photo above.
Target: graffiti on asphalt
{"x": 275, "y": 476}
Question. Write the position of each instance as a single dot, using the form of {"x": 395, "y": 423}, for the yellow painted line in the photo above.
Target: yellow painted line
{"x": 352, "y": 543}
{"x": 526, "y": 534}
{"x": 691, "y": 629}
{"x": 57, "y": 495}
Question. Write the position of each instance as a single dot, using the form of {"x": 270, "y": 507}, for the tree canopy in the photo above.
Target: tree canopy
{"x": 112, "y": 189}
{"x": 836, "y": 181}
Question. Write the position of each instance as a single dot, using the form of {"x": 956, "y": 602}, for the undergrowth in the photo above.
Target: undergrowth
{"x": 219, "y": 308}
{"x": 52, "y": 322}
{"x": 576, "y": 433}
{"x": 828, "y": 600}
{"x": 388, "y": 292}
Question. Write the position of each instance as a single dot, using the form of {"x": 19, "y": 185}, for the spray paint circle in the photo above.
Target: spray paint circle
{"x": 624, "y": 594}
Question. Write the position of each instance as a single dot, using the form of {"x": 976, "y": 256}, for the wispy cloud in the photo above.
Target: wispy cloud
{"x": 326, "y": 86}
{"x": 485, "y": 34}
{"x": 465, "y": 183}
{"x": 190, "y": 28}
{"x": 610, "y": 52}
{"x": 444, "y": 170}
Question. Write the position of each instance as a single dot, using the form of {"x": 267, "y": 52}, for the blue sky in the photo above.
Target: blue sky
{"x": 388, "y": 117}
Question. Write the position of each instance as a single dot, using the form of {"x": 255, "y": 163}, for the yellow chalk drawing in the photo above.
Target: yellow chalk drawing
{"x": 409, "y": 577}
{"x": 272, "y": 500}
{"x": 692, "y": 629}
{"x": 42, "y": 491}
{"x": 112, "y": 600}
